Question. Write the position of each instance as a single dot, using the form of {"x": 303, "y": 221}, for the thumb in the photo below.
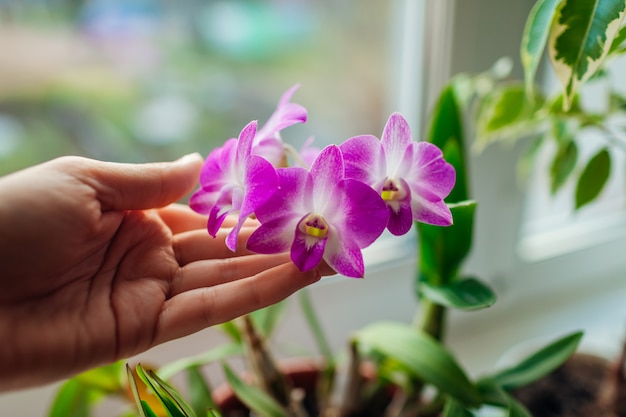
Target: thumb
{"x": 145, "y": 186}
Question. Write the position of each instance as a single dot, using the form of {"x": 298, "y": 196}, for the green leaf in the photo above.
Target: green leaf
{"x": 506, "y": 113}
{"x": 231, "y": 329}
{"x": 267, "y": 318}
{"x": 539, "y": 364}
{"x": 72, "y": 400}
{"x": 169, "y": 397}
{"x": 107, "y": 378}
{"x": 199, "y": 392}
{"x": 466, "y": 294}
{"x": 314, "y": 324}
{"x": 580, "y": 39}
{"x": 593, "y": 178}
{"x": 534, "y": 39}
{"x": 132, "y": 383}
{"x": 563, "y": 164}
{"x": 253, "y": 397}
{"x": 516, "y": 409}
{"x": 422, "y": 355}
{"x": 618, "y": 40}
{"x": 452, "y": 408}
{"x": 443, "y": 249}
{"x": 145, "y": 407}
{"x": 446, "y": 132}
{"x": 218, "y": 353}
{"x": 494, "y": 394}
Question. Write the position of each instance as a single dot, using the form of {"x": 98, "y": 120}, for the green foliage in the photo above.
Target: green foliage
{"x": 172, "y": 401}
{"x": 464, "y": 294}
{"x": 593, "y": 178}
{"x": 421, "y": 355}
{"x": 534, "y": 39}
{"x": 216, "y": 354}
{"x": 253, "y": 397}
{"x": 79, "y": 395}
{"x": 506, "y": 113}
{"x": 580, "y": 39}
{"x": 443, "y": 249}
{"x": 563, "y": 164}
{"x": 538, "y": 364}
{"x": 199, "y": 391}
{"x": 446, "y": 132}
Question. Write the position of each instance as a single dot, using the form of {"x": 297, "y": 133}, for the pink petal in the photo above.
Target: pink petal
{"x": 244, "y": 144}
{"x": 364, "y": 159}
{"x": 285, "y": 115}
{"x": 357, "y": 212}
{"x": 261, "y": 182}
{"x": 396, "y": 138}
{"x": 229, "y": 201}
{"x": 274, "y": 236}
{"x": 432, "y": 171}
{"x": 307, "y": 251}
{"x": 202, "y": 201}
{"x": 431, "y": 212}
{"x": 344, "y": 256}
{"x": 327, "y": 170}
{"x": 401, "y": 214}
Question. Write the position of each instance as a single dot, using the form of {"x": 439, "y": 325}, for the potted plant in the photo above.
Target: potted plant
{"x": 396, "y": 369}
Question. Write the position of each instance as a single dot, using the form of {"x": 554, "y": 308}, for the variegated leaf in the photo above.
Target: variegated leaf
{"x": 580, "y": 39}
{"x": 535, "y": 37}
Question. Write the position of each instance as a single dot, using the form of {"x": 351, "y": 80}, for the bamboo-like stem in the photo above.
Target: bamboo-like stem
{"x": 351, "y": 400}
{"x": 266, "y": 371}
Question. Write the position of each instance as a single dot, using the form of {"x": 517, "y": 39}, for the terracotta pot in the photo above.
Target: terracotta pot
{"x": 301, "y": 373}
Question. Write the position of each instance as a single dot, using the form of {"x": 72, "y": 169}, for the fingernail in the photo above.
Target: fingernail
{"x": 192, "y": 157}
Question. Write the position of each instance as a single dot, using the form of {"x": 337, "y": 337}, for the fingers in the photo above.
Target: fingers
{"x": 180, "y": 218}
{"x": 143, "y": 186}
{"x": 219, "y": 271}
{"x": 196, "y": 245}
{"x": 194, "y": 310}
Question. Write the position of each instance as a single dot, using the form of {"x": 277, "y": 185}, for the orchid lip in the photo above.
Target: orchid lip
{"x": 314, "y": 225}
{"x": 392, "y": 191}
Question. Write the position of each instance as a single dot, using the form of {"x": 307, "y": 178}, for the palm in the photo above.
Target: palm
{"x": 89, "y": 278}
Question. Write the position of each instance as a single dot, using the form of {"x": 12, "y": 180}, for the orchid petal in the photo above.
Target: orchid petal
{"x": 364, "y": 159}
{"x": 294, "y": 185}
{"x": 358, "y": 212}
{"x": 307, "y": 251}
{"x": 432, "y": 212}
{"x": 203, "y": 201}
{"x": 401, "y": 213}
{"x": 285, "y": 115}
{"x": 271, "y": 149}
{"x": 222, "y": 208}
{"x": 261, "y": 182}
{"x": 395, "y": 140}
{"x": 433, "y": 171}
{"x": 244, "y": 144}
{"x": 274, "y": 236}
{"x": 327, "y": 170}
{"x": 344, "y": 256}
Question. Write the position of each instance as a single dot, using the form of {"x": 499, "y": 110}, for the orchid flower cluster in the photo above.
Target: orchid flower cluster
{"x": 337, "y": 202}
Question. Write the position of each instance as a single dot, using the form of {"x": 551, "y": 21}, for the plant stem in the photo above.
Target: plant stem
{"x": 431, "y": 318}
{"x": 266, "y": 371}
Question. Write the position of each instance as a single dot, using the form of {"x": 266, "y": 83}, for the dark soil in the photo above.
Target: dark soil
{"x": 576, "y": 389}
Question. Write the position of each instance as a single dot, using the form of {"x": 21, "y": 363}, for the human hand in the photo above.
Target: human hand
{"x": 92, "y": 271}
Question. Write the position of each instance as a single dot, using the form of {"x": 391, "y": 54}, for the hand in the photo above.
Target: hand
{"x": 92, "y": 272}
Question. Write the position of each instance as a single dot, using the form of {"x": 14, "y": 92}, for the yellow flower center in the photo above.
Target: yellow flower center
{"x": 392, "y": 191}
{"x": 314, "y": 225}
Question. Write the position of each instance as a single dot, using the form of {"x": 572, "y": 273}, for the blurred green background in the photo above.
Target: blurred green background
{"x": 141, "y": 80}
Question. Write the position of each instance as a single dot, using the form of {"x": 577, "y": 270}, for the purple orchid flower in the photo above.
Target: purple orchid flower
{"x": 412, "y": 177}
{"x": 234, "y": 181}
{"x": 267, "y": 141}
{"x": 320, "y": 215}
